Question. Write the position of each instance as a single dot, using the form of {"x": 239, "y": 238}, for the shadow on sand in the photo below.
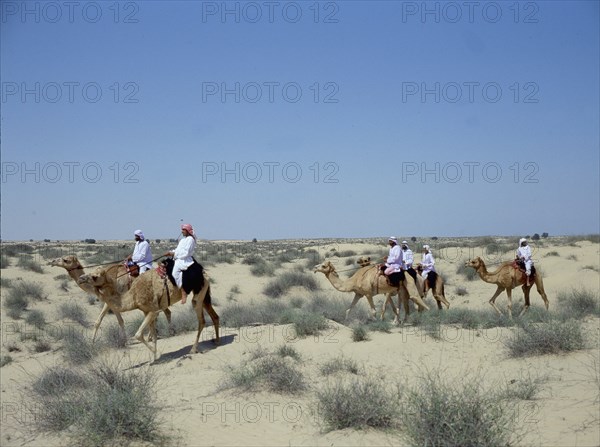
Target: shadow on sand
{"x": 203, "y": 346}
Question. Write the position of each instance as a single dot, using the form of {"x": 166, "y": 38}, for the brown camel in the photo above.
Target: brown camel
{"x": 151, "y": 294}
{"x": 367, "y": 282}
{"x": 75, "y": 270}
{"x": 437, "y": 289}
{"x": 507, "y": 277}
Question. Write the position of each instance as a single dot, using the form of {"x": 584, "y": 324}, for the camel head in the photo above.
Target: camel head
{"x": 96, "y": 279}
{"x": 418, "y": 267}
{"x": 364, "y": 261}
{"x": 326, "y": 268}
{"x": 476, "y": 263}
{"x": 69, "y": 262}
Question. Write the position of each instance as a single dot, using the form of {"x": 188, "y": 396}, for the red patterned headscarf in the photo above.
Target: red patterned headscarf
{"x": 189, "y": 229}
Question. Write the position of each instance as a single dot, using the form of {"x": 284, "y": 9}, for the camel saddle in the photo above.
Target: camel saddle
{"x": 394, "y": 279}
{"x": 520, "y": 265}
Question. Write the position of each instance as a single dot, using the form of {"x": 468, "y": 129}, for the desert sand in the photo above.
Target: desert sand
{"x": 199, "y": 410}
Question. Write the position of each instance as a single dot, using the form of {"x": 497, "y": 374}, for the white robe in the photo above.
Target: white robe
{"x": 142, "y": 255}
{"x": 428, "y": 264}
{"x": 183, "y": 257}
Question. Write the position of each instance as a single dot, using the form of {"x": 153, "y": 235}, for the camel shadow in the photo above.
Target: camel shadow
{"x": 203, "y": 346}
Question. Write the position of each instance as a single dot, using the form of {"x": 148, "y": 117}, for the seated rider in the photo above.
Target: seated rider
{"x": 183, "y": 257}
{"x": 393, "y": 261}
{"x": 142, "y": 254}
{"x": 428, "y": 263}
{"x": 408, "y": 260}
{"x": 524, "y": 255}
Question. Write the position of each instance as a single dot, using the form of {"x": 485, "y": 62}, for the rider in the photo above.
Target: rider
{"x": 524, "y": 254}
{"x": 393, "y": 261}
{"x": 142, "y": 254}
{"x": 427, "y": 262}
{"x": 407, "y": 260}
{"x": 183, "y": 256}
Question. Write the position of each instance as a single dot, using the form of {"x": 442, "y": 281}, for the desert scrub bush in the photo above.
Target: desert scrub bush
{"x": 15, "y": 303}
{"x": 286, "y": 281}
{"x": 305, "y": 323}
{"x": 4, "y": 261}
{"x": 572, "y": 258}
{"x": 339, "y": 364}
{"x": 263, "y": 268}
{"x": 590, "y": 267}
{"x": 248, "y": 313}
{"x": 360, "y": 333}
{"x": 552, "y": 337}
{"x": 114, "y": 337}
{"x": 274, "y": 373}
{"x": 288, "y": 351}
{"x": 335, "y": 309}
{"x": 297, "y": 302}
{"x": 379, "y": 326}
{"x": 78, "y": 349}
{"x": 35, "y": 318}
{"x": 442, "y": 412}
{"x": 91, "y": 299}
{"x": 468, "y": 272}
{"x": 27, "y": 263}
{"x": 41, "y": 346}
{"x": 358, "y": 403}
{"x": 101, "y": 405}
{"x": 5, "y": 360}
{"x": 6, "y": 283}
{"x": 73, "y": 312}
{"x": 551, "y": 253}
{"x": 578, "y": 303}
{"x": 346, "y": 253}
{"x": 525, "y": 387}
{"x": 27, "y": 289}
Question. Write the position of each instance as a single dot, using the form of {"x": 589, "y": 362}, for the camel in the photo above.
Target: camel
{"x": 507, "y": 277}
{"x": 367, "y": 282}
{"x": 151, "y": 294}
{"x": 75, "y": 270}
{"x": 438, "y": 287}
{"x": 364, "y": 261}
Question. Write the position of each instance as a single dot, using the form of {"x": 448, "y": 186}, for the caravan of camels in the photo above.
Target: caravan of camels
{"x": 121, "y": 289}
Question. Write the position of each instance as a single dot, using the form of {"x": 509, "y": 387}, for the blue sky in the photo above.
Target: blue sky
{"x": 299, "y": 119}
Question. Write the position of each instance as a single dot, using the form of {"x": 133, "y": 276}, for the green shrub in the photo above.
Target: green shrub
{"x": 359, "y": 333}
{"x": 439, "y": 411}
{"x": 552, "y": 337}
{"x": 29, "y": 264}
{"x": 5, "y": 360}
{"x": 4, "y": 261}
{"x": 339, "y": 364}
{"x": 274, "y": 373}
{"x": 468, "y": 272}
{"x": 578, "y": 303}
{"x": 74, "y": 312}
{"x": 35, "y": 318}
{"x": 287, "y": 280}
{"x": 359, "y": 403}
{"x": 305, "y": 323}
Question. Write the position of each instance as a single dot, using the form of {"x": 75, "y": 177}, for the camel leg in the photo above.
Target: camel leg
{"x": 509, "y": 306}
{"x": 372, "y": 304}
{"x": 440, "y": 298}
{"x": 413, "y": 293}
{"x": 354, "y": 301}
{"x": 199, "y": 308}
{"x": 103, "y": 312}
{"x": 215, "y": 319}
{"x": 403, "y": 298}
{"x": 148, "y": 320}
{"x": 499, "y": 290}
{"x": 540, "y": 288}
{"x": 388, "y": 300}
{"x": 526, "y": 295}
{"x": 167, "y": 312}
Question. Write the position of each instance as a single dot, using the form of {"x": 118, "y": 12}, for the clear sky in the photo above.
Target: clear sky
{"x": 276, "y": 119}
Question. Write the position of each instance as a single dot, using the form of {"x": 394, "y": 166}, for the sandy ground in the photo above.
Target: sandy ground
{"x": 198, "y": 411}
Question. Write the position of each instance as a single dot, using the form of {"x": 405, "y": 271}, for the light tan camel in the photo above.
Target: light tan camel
{"x": 151, "y": 294}
{"x": 368, "y": 283}
{"x": 507, "y": 277}
{"x": 75, "y": 270}
{"x": 437, "y": 290}
{"x": 403, "y": 298}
